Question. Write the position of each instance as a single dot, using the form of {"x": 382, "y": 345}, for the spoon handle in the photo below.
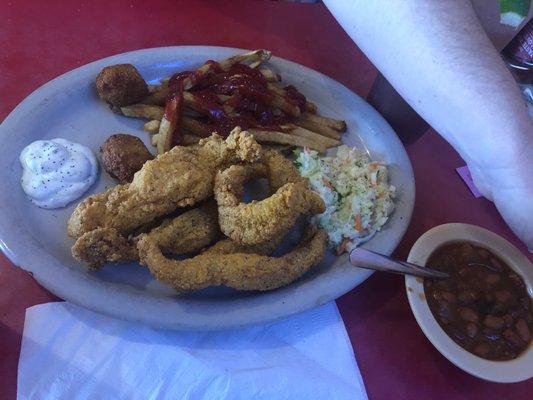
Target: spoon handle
{"x": 363, "y": 258}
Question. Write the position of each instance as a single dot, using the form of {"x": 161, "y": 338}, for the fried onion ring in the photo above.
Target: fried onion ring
{"x": 240, "y": 271}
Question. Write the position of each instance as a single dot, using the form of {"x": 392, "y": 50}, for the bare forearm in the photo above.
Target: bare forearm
{"x": 438, "y": 58}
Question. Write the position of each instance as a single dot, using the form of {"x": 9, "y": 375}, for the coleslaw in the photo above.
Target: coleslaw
{"x": 358, "y": 197}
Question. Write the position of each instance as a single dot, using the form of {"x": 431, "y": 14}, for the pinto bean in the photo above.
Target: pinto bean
{"x": 492, "y": 279}
{"x": 448, "y": 296}
{"x": 471, "y": 329}
{"x": 493, "y": 322}
{"x": 481, "y": 349}
{"x": 508, "y": 319}
{"x": 523, "y": 330}
{"x": 468, "y": 314}
{"x": 491, "y": 334}
{"x": 467, "y": 296}
{"x": 512, "y": 338}
{"x": 502, "y": 296}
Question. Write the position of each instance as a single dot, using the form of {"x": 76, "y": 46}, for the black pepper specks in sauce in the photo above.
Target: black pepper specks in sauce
{"x": 484, "y": 306}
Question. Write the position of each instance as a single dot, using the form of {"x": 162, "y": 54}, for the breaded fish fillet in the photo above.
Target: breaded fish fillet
{"x": 237, "y": 270}
{"x": 189, "y": 232}
{"x": 180, "y": 177}
{"x": 261, "y": 221}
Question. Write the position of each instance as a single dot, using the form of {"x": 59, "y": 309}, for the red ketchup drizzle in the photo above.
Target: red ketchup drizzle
{"x": 249, "y": 95}
{"x": 174, "y": 104}
{"x": 225, "y": 124}
{"x": 294, "y": 96}
{"x": 209, "y": 103}
{"x": 247, "y": 81}
{"x": 197, "y": 77}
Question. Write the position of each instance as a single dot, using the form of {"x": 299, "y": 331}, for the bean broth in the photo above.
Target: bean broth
{"x": 484, "y": 306}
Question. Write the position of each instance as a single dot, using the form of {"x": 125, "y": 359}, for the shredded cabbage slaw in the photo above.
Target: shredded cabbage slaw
{"x": 358, "y": 197}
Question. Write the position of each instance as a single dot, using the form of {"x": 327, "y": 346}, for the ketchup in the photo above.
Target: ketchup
{"x": 174, "y": 104}
{"x": 246, "y": 106}
{"x": 295, "y": 97}
{"x": 247, "y": 81}
{"x": 225, "y": 124}
{"x": 208, "y": 102}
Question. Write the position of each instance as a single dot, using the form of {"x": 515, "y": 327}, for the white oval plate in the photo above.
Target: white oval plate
{"x": 68, "y": 106}
{"x": 516, "y": 370}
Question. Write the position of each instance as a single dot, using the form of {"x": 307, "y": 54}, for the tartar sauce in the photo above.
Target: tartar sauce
{"x": 56, "y": 172}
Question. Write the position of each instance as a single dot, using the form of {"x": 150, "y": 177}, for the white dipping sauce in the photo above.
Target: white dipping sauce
{"x": 56, "y": 172}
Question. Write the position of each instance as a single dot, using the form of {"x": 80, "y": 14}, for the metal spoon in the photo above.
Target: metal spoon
{"x": 363, "y": 258}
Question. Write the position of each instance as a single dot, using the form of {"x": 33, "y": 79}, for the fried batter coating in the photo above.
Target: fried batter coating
{"x": 103, "y": 245}
{"x": 123, "y": 155}
{"x": 121, "y": 85}
{"x": 180, "y": 177}
{"x": 227, "y": 246}
{"x": 237, "y": 270}
{"x": 189, "y": 232}
{"x": 279, "y": 170}
{"x": 260, "y": 221}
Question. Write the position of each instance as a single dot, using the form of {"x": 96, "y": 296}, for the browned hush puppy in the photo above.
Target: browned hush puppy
{"x": 123, "y": 155}
{"x": 121, "y": 85}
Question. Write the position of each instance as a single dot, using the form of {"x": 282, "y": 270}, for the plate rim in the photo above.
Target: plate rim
{"x": 112, "y": 310}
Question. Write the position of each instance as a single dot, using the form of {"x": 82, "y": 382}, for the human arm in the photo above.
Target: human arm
{"x": 437, "y": 56}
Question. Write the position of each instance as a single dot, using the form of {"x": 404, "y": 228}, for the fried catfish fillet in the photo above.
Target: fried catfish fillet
{"x": 260, "y": 221}
{"x": 188, "y": 232}
{"x": 180, "y": 177}
{"x": 241, "y": 271}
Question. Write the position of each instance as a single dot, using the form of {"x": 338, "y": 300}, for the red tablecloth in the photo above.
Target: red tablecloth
{"x": 41, "y": 40}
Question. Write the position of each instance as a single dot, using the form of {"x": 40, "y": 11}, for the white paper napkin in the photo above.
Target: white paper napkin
{"x": 69, "y": 352}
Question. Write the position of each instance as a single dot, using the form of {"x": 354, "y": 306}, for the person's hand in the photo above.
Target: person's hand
{"x": 511, "y": 189}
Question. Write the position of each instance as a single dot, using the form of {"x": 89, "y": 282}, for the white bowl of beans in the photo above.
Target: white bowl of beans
{"x": 480, "y": 318}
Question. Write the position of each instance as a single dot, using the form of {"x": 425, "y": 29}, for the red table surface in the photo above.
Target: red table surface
{"x": 42, "y": 40}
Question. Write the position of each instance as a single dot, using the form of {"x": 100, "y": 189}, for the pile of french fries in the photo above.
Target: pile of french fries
{"x": 307, "y": 129}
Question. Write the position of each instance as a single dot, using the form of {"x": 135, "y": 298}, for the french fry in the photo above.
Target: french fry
{"x": 280, "y": 102}
{"x": 209, "y": 68}
{"x": 255, "y": 64}
{"x": 276, "y": 89}
{"x": 190, "y": 101}
{"x": 329, "y": 122}
{"x": 309, "y": 107}
{"x": 319, "y": 128}
{"x": 308, "y": 129}
{"x": 143, "y": 111}
{"x": 164, "y": 139}
{"x": 283, "y": 148}
{"x": 189, "y": 139}
{"x": 158, "y": 97}
{"x": 260, "y": 55}
{"x": 152, "y": 126}
{"x": 168, "y": 124}
{"x": 196, "y": 127}
{"x": 191, "y": 113}
{"x": 322, "y": 141}
{"x": 270, "y": 75}
{"x": 285, "y": 138}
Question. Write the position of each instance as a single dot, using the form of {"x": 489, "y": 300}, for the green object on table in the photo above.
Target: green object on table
{"x": 513, "y": 12}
